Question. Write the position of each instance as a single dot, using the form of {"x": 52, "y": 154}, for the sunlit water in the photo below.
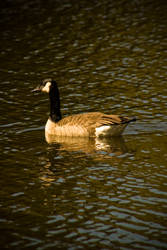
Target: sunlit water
{"x": 68, "y": 193}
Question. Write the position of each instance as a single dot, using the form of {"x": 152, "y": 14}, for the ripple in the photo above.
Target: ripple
{"x": 80, "y": 193}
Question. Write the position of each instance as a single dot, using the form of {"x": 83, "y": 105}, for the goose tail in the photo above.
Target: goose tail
{"x": 127, "y": 119}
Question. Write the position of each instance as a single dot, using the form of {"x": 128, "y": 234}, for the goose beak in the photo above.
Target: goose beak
{"x": 37, "y": 89}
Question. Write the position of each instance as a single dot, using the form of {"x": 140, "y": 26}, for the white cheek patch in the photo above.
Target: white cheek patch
{"x": 46, "y": 88}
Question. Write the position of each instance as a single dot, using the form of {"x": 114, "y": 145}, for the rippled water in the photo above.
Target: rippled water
{"x": 108, "y": 56}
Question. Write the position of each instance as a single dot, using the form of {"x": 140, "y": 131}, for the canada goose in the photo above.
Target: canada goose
{"x": 92, "y": 124}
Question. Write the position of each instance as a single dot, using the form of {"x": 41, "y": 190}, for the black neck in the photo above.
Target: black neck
{"x": 55, "y": 113}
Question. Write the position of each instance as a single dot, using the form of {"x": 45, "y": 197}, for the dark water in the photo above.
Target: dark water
{"x": 108, "y": 56}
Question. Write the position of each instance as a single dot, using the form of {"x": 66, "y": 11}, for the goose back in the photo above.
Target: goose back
{"x": 88, "y": 124}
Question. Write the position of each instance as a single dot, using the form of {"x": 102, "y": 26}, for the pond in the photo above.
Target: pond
{"x": 83, "y": 193}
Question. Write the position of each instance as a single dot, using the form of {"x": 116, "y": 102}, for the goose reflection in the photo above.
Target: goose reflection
{"x": 72, "y": 150}
{"x": 114, "y": 145}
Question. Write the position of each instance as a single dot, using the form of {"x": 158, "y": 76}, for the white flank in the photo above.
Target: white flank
{"x": 102, "y": 131}
{"x": 113, "y": 130}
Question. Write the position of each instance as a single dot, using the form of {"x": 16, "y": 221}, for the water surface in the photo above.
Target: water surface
{"x": 69, "y": 193}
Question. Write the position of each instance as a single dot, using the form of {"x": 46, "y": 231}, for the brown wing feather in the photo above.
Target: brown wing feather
{"x": 84, "y": 124}
{"x": 85, "y": 119}
{"x": 95, "y": 119}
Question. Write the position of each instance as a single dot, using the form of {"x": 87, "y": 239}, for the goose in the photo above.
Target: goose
{"x": 91, "y": 124}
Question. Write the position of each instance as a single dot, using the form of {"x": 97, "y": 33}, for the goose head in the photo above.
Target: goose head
{"x": 45, "y": 86}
